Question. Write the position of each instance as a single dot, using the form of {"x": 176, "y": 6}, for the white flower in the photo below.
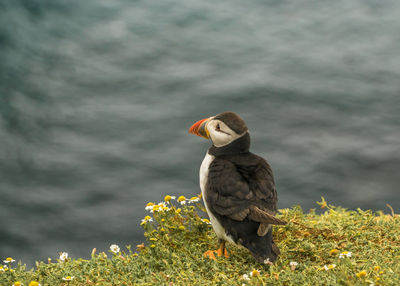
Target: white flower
{"x": 345, "y": 254}
{"x": 63, "y": 256}
{"x": 68, "y": 278}
{"x": 293, "y": 265}
{"x": 149, "y": 208}
{"x": 8, "y": 260}
{"x": 330, "y": 266}
{"x": 3, "y": 269}
{"x": 114, "y": 248}
{"x": 245, "y": 277}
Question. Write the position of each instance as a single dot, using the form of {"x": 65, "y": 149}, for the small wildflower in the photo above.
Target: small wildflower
{"x": 245, "y": 277}
{"x": 146, "y": 219}
{"x": 17, "y": 283}
{"x": 254, "y": 273}
{"x": 181, "y": 227}
{"x": 206, "y": 221}
{"x": 68, "y": 278}
{"x": 377, "y": 268}
{"x": 334, "y": 251}
{"x": 178, "y": 211}
{"x": 8, "y": 260}
{"x": 345, "y": 254}
{"x": 34, "y": 283}
{"x": 361, "y": 274}
{"x": 167, "y": 198}
{"x": 2, "y": 268}
{"x": 182, "y": 200}
{"x": 114, "y": 248}
{"x": 329, "y": 267}
{"x": 194, "y": 200}
{"x": 153, "y": 246}
{"x": 63, "y": 256}
{"x": 162, "y": 229}
{"x": 293, "y": 265}
{"x": 149, "y": 206}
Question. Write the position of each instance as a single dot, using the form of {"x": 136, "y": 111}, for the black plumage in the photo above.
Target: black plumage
{"x": 241, "y": 194}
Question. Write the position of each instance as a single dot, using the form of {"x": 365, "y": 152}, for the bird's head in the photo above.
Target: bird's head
{"x": 222, "y": 129}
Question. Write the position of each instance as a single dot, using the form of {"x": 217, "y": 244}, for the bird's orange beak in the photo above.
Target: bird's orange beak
{"x": 200, "y": 128}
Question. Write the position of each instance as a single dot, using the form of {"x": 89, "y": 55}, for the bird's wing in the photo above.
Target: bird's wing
{"x": 231, "y": 194}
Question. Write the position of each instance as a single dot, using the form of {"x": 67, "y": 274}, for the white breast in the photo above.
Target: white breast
{"x": 219, "y": 230}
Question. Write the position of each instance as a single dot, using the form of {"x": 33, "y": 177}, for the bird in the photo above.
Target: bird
{"x": 237, "y": 188}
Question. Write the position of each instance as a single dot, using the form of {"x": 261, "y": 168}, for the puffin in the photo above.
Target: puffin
{"x": 237, "y": 188}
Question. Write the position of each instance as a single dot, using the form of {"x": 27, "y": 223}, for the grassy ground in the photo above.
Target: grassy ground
{"x": 338, "y": 247}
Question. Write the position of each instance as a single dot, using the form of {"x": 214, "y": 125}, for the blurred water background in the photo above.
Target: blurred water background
{"x": 96, "y": 98}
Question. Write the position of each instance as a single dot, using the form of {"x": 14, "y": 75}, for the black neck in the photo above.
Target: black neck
{"x": 240, "y": 145}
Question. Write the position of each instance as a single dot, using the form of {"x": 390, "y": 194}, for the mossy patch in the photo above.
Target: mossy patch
{"x": 337, "y": 247}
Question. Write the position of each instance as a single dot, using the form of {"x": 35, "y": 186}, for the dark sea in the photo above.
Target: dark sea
{"x": 97, "y": 96}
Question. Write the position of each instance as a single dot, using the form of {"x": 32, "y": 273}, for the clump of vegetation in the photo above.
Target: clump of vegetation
{"x": 337, "y": 247}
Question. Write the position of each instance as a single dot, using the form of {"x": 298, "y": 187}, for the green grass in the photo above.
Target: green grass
{"x": 177, "y": 237}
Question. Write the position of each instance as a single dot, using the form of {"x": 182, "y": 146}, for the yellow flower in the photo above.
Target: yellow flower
{"x": 68, "y": 278}
{"x": 254, "y": 273}
{"x": 345, "y": 254}
{"x": 17, "y": 283}
{"x": 206, "y": 221}
{"x": 153, "y": 239}
{"x": 149, "y": 207}
{"x": 163, "y": 219}
{"x": 181, "y": 227}
{"x": 334, "y": 251}
{"x": 377, "y": 268}
{"x": 182, "y": 200}
{"x": 178, "y": 211}
{"x": 34, "y": 283}
{"x": 167, "y": 198}
{"x": 194, "y": 199}
{"x": 162, "y": 229}
{"x": 153, "y": 245}
{"x": 146, "y": 219}
{"x": 8, "y": 260}
{"x": 329, "y": 267}
{"x": 361, "y": 274}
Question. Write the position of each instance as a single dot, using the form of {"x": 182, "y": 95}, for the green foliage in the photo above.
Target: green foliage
{"x": 337, "y": 247}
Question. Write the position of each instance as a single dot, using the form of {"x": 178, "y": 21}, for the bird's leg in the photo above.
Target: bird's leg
{"x": 221, "y": 251}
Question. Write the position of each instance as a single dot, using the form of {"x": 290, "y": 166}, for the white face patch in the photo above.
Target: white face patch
{"x": 220, "y": 133}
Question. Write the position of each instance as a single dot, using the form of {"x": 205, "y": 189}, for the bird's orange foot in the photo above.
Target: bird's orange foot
{"x": 209, "y": 254}
{"x": 223, "y": 252}
{"x": 219, "y": 252}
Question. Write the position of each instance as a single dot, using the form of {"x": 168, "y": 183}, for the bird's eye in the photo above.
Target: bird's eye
{"x": 217, "y": 128}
